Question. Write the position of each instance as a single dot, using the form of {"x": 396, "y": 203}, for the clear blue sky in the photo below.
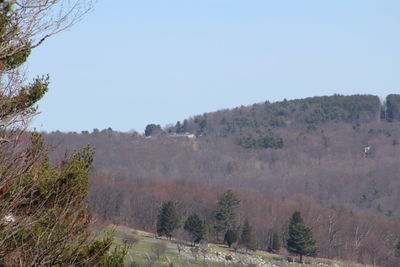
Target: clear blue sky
{"x": 130, "y": 63}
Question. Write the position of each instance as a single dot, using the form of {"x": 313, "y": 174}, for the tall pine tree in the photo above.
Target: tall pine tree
{"x": 300, "y": 241}
{"x": 195, "y": 227}
{"x": 247, "y": 237}
{"x": 168, "y": 220}
{"x": 276, "y": 242}
{"x": 225, "y": 217}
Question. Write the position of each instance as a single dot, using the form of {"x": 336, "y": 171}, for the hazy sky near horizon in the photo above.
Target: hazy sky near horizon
{"x": 130, "y": 63}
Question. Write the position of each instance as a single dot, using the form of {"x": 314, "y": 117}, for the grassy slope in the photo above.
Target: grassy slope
{"x": 141, "y": 251}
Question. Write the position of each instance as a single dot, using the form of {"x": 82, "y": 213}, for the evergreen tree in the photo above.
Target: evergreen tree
{"x": 168, "y": 220}
{"x": 276, "y": 242}
{"x": 178, "y": 127}
{"x": 247, "y": 237}
{"x": 300, "y": 239}
{"x": 43, "y": 217}
{"x": 230, "y": 237}
{"x": 47, "y": 214}
{"x": 270, "y": 140}
{"x": 195, "y": 227}
{"x": 226, "y": 215}
{"x": 203, "y": 125}
{"x": 207, "y": 233}
{"x": 152, "y": 129}
{"x": 185, "y": 126}
{"x": 393, "y": 107}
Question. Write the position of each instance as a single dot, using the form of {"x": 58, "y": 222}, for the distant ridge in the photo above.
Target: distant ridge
{"x": 308, "y": 112}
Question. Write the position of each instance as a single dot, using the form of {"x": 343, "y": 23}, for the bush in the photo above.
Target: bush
{"x": 230, "y": 237}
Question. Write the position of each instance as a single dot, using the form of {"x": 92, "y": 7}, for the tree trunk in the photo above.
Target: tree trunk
{"x": 301, "y": 258}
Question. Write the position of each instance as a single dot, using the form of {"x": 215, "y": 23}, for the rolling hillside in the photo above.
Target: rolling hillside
{"x": 146, "y": 250}
{"x": 334, "y": 158}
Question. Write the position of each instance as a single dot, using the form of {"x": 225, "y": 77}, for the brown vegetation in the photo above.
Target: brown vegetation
{"x": 339, "y": 169}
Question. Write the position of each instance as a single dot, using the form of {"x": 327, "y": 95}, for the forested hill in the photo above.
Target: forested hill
{"x": 308, "y": 112}
{"x": 334, "y": 158}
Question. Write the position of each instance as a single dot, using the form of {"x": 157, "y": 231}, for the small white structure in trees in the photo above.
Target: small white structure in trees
{"x": 367, "y": 151}
{"x": 180, "y": 135}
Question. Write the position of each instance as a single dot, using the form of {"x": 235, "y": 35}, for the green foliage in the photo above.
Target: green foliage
{"x": 277, "y": 122}
{"x": 116, "y": 257}
{"x": 393, "y": 107}
{"x": 276, "y": 242}
{"x": 226, "y": 215}
{"x": 178, "y": 127}
{"x": 344, "y": 108}
{"x": 53, "y": 222}
{"x": 268, "y": 140}
{"x": 17, "y": 52}
{"x": 300, "y": 240}
{"x": 25, "y": 99}
{"x": 304, "y": 107}
{"x": 247, "y": 237}
{"x": 247, "y": 124}
{"x": 152, "y": 129}
{"x": 248, "y": 142}
{"x": 206, "y": 232}
{"x": 185, "y": 126}
{"x": 281, "y": 112}
{"x": 203, "y": 124}
{"x": 109, "y": 258}
{"x": 168, "y": 220}
{"x": 195, "y": 227}
{"x": 230, "y": 237}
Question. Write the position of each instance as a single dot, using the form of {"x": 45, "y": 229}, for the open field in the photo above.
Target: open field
{"x": 145, "y": 247}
